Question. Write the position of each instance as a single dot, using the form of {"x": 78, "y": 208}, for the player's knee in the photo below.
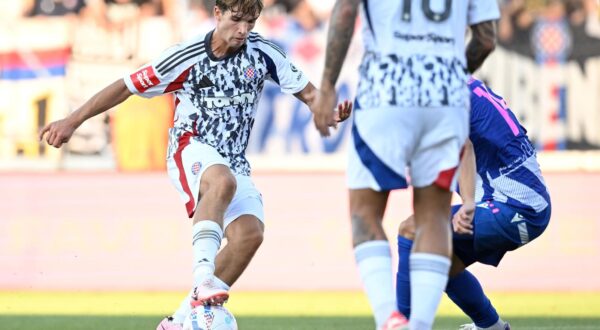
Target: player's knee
{"x": 365, "y": 228}
{"x": 222, "y": 187}
{"x": 254, "y": 240}
{"x": 363, "y": 211}
{"x": 407, "y": 228}
{"x": 249, "y": 242}
{"x": 366, "y": 213}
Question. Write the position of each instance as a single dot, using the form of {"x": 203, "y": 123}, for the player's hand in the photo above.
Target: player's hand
{"x": 57, "y": 133}
{"x": 343, "y": 111}
{"x": 324, "y": 111}
{"x": 462, "y": 221}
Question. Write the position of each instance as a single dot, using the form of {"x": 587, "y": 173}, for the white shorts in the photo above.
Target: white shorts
{"x": 185, "y": 169}
{"x": 427, "y": 141}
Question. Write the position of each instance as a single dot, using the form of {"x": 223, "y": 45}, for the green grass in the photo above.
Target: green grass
{"x": 278, "y": 310}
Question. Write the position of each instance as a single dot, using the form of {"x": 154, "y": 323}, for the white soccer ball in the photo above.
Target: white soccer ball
{"x": 210, "y": 318}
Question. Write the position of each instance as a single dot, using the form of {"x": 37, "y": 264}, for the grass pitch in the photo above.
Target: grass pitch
{"x": 278, "y": 310}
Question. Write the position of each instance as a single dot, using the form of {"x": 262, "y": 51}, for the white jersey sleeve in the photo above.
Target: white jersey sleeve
{"x": 166, "y": 73}
{"x": 483, "y": 10}
{"x": 284, "y": 73}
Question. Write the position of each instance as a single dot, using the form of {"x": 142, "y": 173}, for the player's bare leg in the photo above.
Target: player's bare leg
{"x": 372, "y": 253}
{"x": 432, "y": 225}
{"x": 217, "y": 188}
{"x": 244, "y": 237}
{"x": 430, "y": 257}
{"x": 366, "y": 210}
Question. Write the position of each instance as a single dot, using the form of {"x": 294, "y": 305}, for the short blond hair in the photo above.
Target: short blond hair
{"x": 243, "y": 7}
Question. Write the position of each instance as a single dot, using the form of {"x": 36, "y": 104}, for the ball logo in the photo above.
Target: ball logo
{"x": 209, "y": 316}
{"x": 249, "y": 72}
{"x": 194, "y": 319}
{"x": 144, "y": 79}
{"x": 196, "y": 168}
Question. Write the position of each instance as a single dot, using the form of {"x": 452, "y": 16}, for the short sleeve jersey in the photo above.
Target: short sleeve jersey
{"x": 415, "y": 51}
{"x": 216, "y": 98}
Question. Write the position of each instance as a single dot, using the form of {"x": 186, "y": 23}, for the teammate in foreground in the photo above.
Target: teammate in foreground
{"x": 411, "y": 111}
{"x": 513, "y": 207}
{"x": 217, "y": 79}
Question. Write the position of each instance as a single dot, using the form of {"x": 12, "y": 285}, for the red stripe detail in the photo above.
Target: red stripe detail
{"x": 184, "y": 141}
{"x": 48, "y": 58}
{"x": 444, "y": 179}
{"x": 144, "y": 79}
{"x": 178, "y": 83}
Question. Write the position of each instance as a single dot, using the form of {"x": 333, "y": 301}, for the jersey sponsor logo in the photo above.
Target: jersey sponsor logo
{"x": 430, "y": 37}
{"x": 527, "y": 152}
{"x": 144, "y": 79}
{"x": 226, "y": 101}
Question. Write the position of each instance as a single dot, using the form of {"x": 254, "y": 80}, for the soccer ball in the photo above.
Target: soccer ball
{"x": 210, "y": 318}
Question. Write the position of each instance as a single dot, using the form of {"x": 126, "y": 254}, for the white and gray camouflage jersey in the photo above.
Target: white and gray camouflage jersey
{"x": 415, "y": 51}
{"x": 216, "y": 98}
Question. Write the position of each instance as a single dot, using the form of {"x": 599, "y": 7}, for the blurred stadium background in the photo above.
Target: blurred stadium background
{"x": 99, "y": 215}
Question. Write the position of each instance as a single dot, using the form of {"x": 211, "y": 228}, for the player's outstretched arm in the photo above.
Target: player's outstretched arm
{"x": 483, "y": 42}
{"x": 59, "y": 132}
{"x": 309, "y": 94}
{"x": 339, "y": 36}
{"x": 463, "y": 218}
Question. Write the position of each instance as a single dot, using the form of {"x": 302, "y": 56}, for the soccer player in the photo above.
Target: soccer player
{"x": 217, "y": 79}
{"x": 513, "y": 207}
{"x": 411, "y": 110}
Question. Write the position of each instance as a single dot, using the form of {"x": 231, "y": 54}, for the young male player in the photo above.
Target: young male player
{"x": 512, "y": 207}
{"x": 217, "y": 79}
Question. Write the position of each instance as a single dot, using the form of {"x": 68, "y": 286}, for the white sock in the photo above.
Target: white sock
{"x": 428, "y": 279}
{"x": 374, "y": 262}
{"x": 185, "y": 308}
{"x": 206, "y": 241}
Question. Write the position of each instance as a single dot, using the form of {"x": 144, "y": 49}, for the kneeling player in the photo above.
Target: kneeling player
{"x": 505, "y": 206}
